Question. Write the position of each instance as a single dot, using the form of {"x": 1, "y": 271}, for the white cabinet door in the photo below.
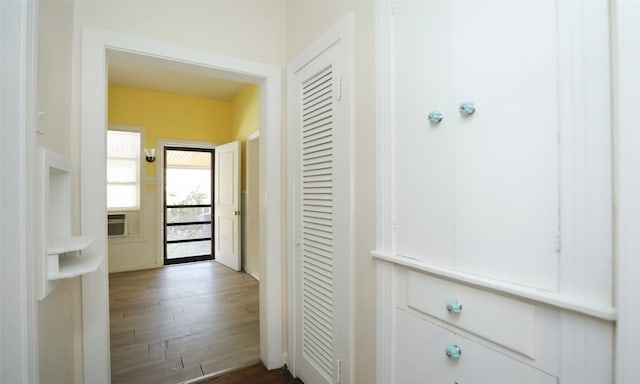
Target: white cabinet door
{"x": 505, "y": 60}
{"x": 424, "y": 174}
{"x": 480, "y": 193}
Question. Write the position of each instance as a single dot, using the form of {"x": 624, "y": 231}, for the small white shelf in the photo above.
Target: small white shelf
{"x": 66, "y": 255}
{"x": 69, "y": 244}
{"x": 66, "y": 259}
{"x": 72, "y": 266}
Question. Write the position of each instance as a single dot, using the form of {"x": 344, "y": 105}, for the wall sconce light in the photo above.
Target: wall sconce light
{"x": 150, "y": 155}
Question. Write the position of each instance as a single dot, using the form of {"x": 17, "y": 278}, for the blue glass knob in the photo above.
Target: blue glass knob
{"x": 435, "y": 117}
{"x": 453, "y": 352}
{"x": 454, "y": 307}
{"x": 467, "y": 108}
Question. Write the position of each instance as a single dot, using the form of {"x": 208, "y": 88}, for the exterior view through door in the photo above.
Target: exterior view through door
{"x": 188, "y": 210}
{"x": 202, "y": 204}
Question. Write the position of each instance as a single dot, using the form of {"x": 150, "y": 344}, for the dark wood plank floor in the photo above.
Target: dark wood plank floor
{"x": 180, "y": 322}
{"x": 255, "y": 374}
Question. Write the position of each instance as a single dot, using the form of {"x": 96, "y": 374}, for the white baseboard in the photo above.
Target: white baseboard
{"x": 254, "y": 275}
{"x": 134, "y": 268}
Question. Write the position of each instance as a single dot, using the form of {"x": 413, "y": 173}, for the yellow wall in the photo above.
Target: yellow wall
{"x": 169, "y": 116}
{"x": 245, "y": 120}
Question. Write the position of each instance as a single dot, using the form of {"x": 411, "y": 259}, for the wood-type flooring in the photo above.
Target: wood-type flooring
{"x": 176, "y": 323}
{"x": 257, "y": 374}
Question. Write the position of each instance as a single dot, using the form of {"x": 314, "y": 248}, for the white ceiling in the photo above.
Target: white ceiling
{"x": 168, "y": 76}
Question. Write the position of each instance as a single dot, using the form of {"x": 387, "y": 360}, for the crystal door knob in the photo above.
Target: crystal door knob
{"x": 453, "y": 352}
{"x": 435, "y": 117}
{"x": 467, "y": 108}
{"x": 454, "y": 307}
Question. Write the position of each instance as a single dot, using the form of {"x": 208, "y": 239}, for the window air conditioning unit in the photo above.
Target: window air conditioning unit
{"x": 117, "y": 224}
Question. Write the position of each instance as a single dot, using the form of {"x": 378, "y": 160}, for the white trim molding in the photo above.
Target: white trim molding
{"x": 93, "y": 120}
{"x": 627, "y": 219}
{"x": 554, "y": 299}
{"x": 18, "y": 305}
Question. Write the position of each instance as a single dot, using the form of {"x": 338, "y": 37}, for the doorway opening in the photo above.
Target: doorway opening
{"x": 188, "y": 204}
{"x": 93, "y": 116}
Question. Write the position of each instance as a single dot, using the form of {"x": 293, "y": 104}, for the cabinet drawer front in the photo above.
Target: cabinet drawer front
{"x": 502, "y": 320}
{"x": 420, "y": 357}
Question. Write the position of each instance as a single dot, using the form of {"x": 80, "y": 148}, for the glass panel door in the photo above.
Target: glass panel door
{"x": 188, "y": 212}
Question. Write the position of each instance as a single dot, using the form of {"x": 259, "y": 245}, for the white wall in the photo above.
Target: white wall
{"x": 140, "y": 249}
{"x": 60, "y": 334}
{"x": 251, "y": 30}
{"x": 59, "y": 314}
{"x": 306, "y": 22}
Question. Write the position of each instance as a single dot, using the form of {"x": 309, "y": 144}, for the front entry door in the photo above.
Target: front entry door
{"x": 188, "y": 205}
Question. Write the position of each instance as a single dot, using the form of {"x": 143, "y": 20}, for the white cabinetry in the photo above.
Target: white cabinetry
{"x": 508, "y": 209}
{"x": 420, "y": 341}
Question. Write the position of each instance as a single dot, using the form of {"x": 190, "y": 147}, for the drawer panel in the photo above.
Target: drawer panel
{"x": 421, "y": 358}
{"x": 502, "y": 320}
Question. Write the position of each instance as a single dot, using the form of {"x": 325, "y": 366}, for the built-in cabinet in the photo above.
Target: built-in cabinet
{"x": 495, "y": 192}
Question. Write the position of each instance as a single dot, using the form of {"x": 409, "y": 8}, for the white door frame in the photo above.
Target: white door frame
{"x": 250, "y": 209}
{"x": 627, "y": 186}
{"x": 18, "y": 265}
{"x": 93, "y": 123}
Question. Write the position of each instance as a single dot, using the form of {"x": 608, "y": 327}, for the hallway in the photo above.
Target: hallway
{"x": 180, "y": 322}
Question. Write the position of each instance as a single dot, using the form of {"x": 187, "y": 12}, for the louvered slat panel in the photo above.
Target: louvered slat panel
{"x": 317, "y": 220}
{"x": 318, "y": 128}
{"x": 318, "y": 212}
{"x": 318, "y": 225}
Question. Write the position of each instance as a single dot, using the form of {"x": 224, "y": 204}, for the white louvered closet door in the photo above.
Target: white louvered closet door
{"x": 322, "y": 221}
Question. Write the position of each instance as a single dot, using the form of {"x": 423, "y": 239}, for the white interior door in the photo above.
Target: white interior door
{"x": 226, "y": 197}
{"x": 322, "y": 233}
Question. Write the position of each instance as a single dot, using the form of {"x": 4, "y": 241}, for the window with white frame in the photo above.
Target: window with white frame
{"x": 123, "y": 170}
